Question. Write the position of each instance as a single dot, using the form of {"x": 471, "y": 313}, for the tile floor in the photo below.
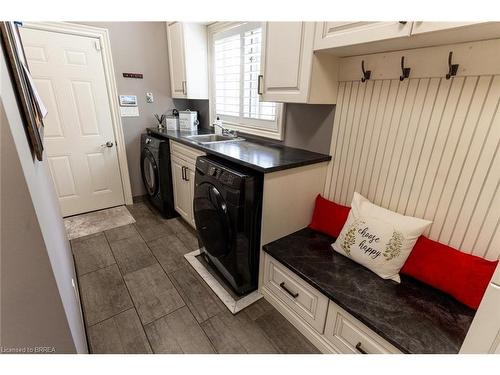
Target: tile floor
{"x": 140, "y": 295}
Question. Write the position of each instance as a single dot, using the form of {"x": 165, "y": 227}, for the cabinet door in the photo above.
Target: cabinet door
{"x": 182, "y": 196}
{"x": 190, "y": 174}
{"x": 348, "y": 335}
{"x": 176, "y": 55}
{"x": 286, "y": 58}
{"x": 340, "y": 34}
{"x": 420, "y": 27}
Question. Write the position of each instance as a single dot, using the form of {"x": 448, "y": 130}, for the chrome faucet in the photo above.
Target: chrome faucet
{"x": 225, "y": 131}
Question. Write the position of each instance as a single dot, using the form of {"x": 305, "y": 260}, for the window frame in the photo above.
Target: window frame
{"x": 240, "y": 124}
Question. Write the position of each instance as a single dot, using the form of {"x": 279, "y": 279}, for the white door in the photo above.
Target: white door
{"x": 69, "y": 74}
{"x": 286, "y": 71}
{"x": 175, "y": 38}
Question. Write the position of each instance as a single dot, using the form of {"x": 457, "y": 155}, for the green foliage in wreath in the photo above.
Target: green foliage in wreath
{"x": 393, "y": 247}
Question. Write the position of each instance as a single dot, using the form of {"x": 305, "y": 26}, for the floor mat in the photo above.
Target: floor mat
{"x": 97, "y": 221}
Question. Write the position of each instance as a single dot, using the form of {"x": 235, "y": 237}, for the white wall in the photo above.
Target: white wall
{"x": 46, "y": 208}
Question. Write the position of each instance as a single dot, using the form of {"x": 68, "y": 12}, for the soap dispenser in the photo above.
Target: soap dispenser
{"x": 217, "y": 125}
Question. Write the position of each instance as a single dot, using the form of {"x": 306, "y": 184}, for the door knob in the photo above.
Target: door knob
{"x": 107, "y": 144}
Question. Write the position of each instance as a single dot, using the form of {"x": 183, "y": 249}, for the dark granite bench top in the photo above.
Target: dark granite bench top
{"x": 412, "y": 316}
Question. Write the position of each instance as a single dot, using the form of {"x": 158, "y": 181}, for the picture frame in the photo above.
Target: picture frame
{"x": 16, "y": 64}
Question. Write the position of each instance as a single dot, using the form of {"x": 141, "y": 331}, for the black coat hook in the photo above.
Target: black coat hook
{"x": 366, "y": 73}
{"x": 405, "y": 71}
{"x": 452, "y": 68}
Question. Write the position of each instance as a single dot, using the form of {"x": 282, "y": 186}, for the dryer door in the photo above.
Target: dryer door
{"x": 149, "y": 171}
{"x": 212, "y": 220}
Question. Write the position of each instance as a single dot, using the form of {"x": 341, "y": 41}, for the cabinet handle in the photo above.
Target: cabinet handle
{"x": 259, "y": 84}
{"x": 294, "y": 295}
{"x": 184, "y": 178}
{"x": 184, "y": 87}
{"x": 360, "y": 349}
{"x": 186, "y": 173}
{"x": 403, "y": 22}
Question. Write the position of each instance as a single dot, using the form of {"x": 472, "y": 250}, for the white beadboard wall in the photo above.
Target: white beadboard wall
{"x": 425, "y": 147}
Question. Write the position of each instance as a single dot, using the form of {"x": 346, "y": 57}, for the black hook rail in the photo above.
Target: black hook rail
{"x": 452, "y": 68}
{"x": 366, "y": 73}
{"x": 405, "y": 72}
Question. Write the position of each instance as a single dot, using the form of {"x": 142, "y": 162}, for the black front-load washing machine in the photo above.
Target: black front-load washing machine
{"x": 157, "y": 174}
{"x": 227, "y": 212}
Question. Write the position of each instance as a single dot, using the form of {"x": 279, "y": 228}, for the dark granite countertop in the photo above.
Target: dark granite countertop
{"x": 261, "y": 156}
{"x": 412, "y": 316}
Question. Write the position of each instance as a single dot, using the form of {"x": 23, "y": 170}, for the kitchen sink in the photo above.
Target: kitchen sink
{"x": 205, "y": 139}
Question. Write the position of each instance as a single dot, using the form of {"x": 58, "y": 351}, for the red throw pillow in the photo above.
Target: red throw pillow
{"x": 459, "y": 274}
{"x": 328, "y": 217}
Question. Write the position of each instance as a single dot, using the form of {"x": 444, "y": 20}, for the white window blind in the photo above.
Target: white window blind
{"x": 236, "y": 59}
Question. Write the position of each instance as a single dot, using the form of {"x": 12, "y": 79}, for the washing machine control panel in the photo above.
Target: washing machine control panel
{"x": 223, "y": 176}
{"x": 212, "y": 171}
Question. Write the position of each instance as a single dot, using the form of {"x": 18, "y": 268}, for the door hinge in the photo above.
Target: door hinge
{"x": 98, "y": 45}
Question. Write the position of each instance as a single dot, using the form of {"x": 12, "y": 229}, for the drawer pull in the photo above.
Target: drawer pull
{"x": 294, "y": 295}
{"x": 360, "y": 349}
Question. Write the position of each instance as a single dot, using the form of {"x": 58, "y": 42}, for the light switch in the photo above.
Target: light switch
{"x": 149, "y": 97}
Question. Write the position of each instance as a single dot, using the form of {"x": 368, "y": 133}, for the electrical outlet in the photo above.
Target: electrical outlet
{"x": 149, "y": 97}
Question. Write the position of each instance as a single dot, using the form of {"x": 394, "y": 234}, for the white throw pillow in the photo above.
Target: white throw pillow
{"x": 377, "y": 238}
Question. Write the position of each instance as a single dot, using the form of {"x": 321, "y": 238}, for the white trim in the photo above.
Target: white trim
{"x": 279, "y": 133}
{"x": 109, "y": 74}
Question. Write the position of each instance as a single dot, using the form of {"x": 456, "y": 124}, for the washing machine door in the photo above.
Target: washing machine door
{"x": 212, "y": 220}
{"x": 149, "y": 171}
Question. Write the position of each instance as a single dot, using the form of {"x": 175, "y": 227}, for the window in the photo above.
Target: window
{"x": 235, "y": 69}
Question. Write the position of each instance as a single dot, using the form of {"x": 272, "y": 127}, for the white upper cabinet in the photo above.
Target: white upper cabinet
{"x": 421, "y": 27}
{"x": 176, "y": 59}
{"x": 188, "y": 60}
{"x": 361, "y": 38}
{"x": 290, "y": 71}
{"x": 340, "y": 34}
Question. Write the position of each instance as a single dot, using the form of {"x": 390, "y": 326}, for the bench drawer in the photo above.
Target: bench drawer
{"x": 351, "y": 336}
{"x": 297, "y": 294}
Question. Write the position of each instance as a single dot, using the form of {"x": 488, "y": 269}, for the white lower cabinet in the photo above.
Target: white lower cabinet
{"x": 182, "y": 194}
{"x": 349, "y": 335}
{"x": 298, "y": 295}
{"x": 325, "y": 324}
{"x": 183, "y": 163}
